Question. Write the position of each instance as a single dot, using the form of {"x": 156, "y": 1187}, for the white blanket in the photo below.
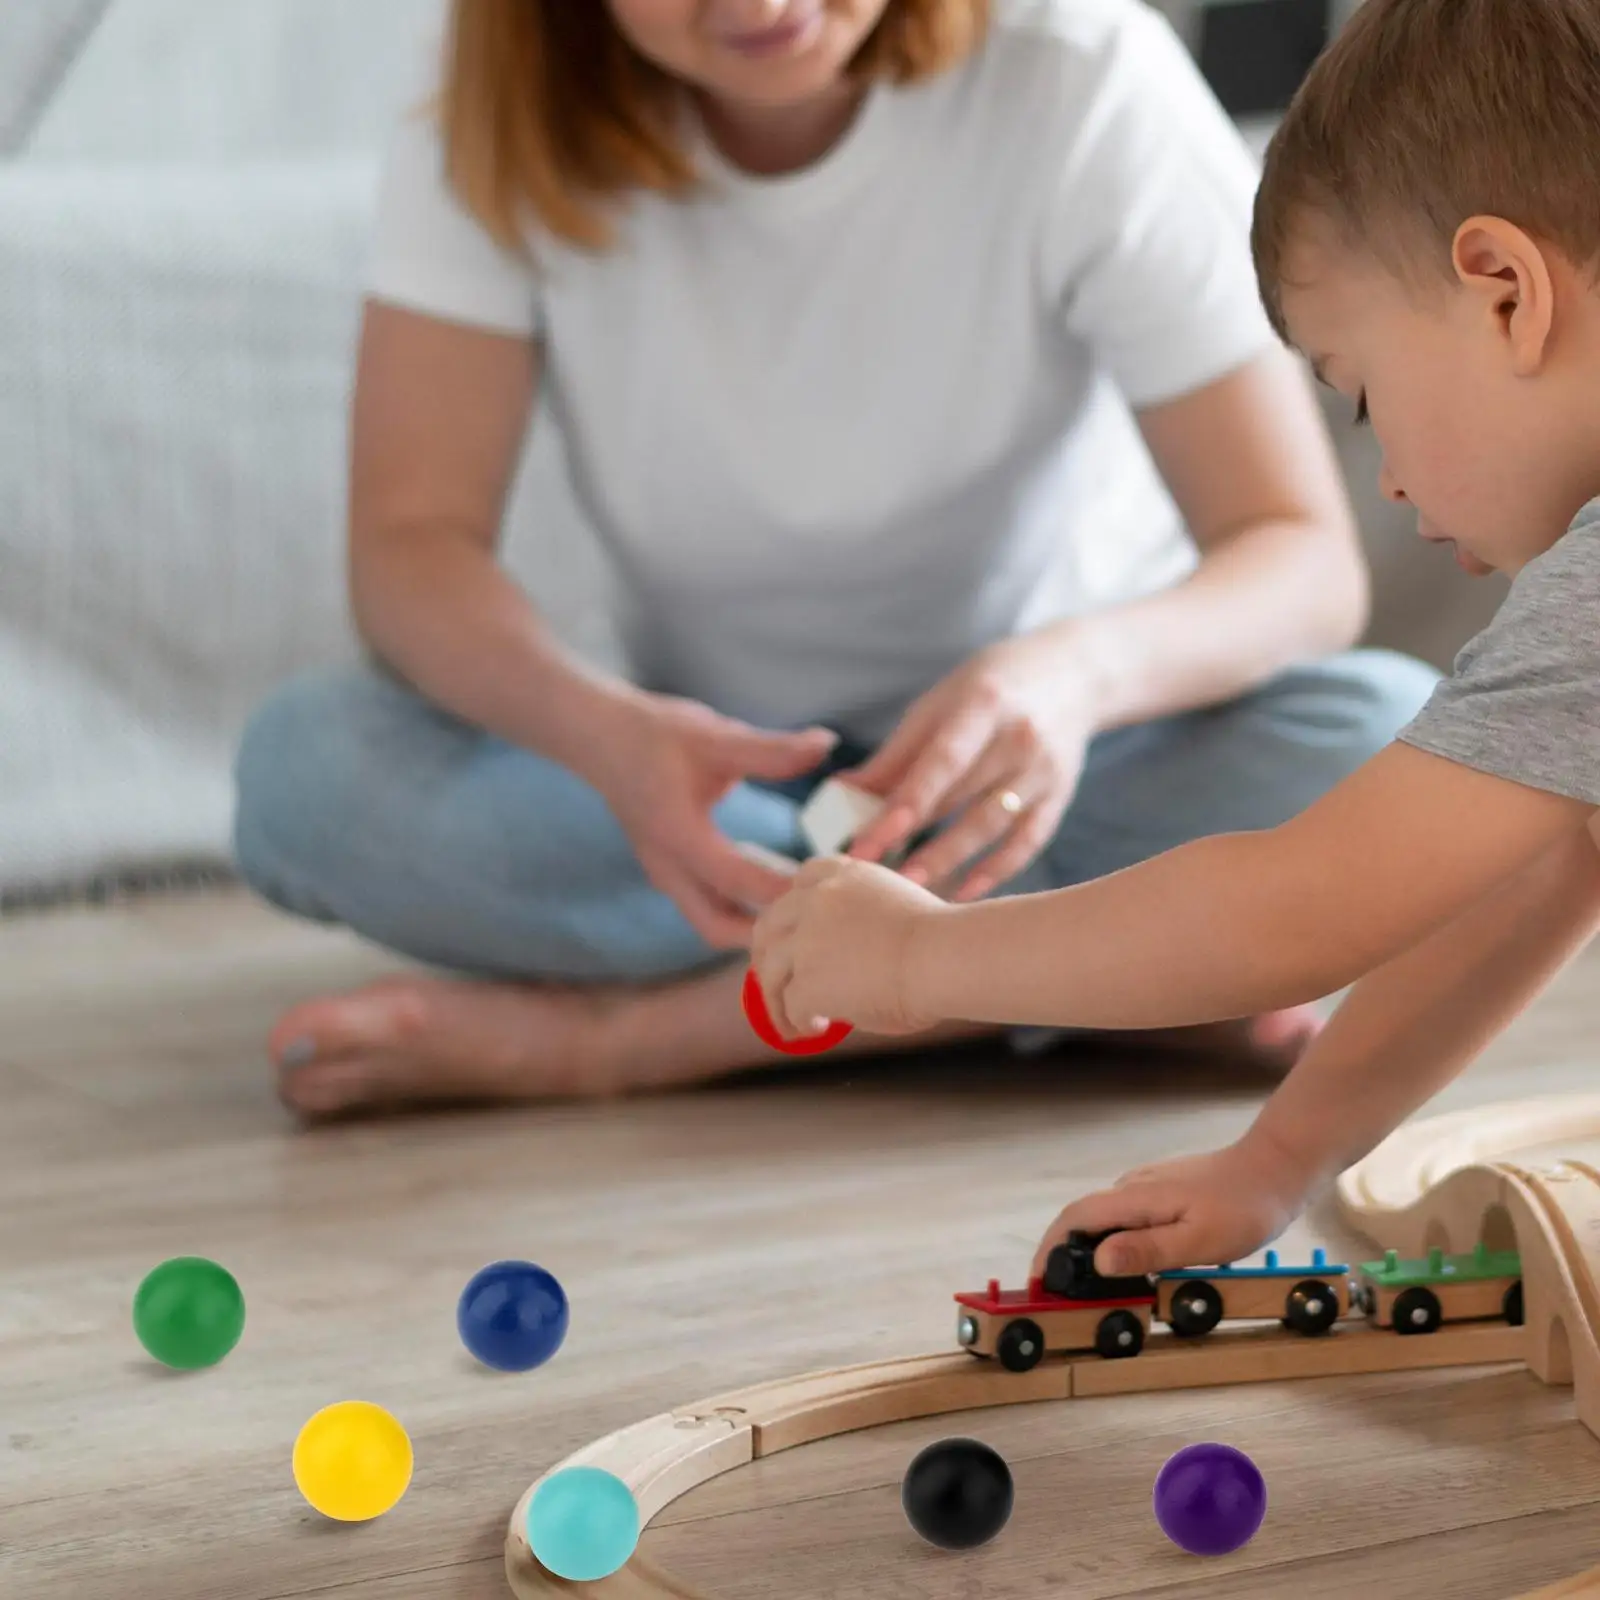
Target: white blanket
{"x": 176, "y": 346}
{"x": 40, "y": 42}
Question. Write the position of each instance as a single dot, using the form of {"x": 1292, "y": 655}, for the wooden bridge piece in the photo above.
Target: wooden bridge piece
{"x": 1524, "y": 1175}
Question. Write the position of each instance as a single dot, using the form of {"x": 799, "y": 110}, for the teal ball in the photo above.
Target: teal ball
{"x": 583, "y": 1524}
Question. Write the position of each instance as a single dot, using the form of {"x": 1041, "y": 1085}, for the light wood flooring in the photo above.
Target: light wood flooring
{"x": 706, "y": 1240}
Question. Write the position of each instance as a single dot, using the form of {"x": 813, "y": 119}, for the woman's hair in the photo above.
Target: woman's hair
{"x": 546, "y": 109}
{"x": 1423, "y": 113}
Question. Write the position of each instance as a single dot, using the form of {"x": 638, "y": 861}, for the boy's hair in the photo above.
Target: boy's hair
{"x": 1423, "y": 113}
{"x": 546, "y": 107}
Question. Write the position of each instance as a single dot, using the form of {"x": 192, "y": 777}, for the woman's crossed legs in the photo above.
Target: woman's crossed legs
{"x": 361, "y": 804}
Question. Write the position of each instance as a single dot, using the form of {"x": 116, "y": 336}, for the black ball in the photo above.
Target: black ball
{"x": 957, "y": 1493}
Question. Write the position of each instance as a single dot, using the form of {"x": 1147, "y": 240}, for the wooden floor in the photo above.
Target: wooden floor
{"x": 706, "y": 1241}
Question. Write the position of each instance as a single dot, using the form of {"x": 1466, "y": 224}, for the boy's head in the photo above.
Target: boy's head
{"x": 1427, "y": 232}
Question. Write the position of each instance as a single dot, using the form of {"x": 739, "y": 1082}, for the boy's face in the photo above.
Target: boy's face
{"x": 1466, "y": 440}
{"x": 752, "y": 52}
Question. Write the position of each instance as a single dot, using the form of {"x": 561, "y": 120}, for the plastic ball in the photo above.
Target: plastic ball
{"x": 760, "y": 1019}
{"x": 583, "y": 1524}
{"x": 188, "y": 1312}
{"x": 1210, "y": 1499}
{"x": 957, "y": 1493}
{"x": 512, "y": 1316}
{"x": 352, "y": 1461}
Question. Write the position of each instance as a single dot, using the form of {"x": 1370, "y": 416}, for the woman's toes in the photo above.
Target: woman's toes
{"x": 299, "y": 1052}
{"x": 408, "y": 1041}
{"x": 325, "y": 1090}
{"x": 378, "y": 1017}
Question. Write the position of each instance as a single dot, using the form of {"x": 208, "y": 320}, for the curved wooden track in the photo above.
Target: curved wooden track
{"x": 1525, "y": 1174}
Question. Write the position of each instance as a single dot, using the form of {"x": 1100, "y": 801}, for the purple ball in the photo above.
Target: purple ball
{"x": 1210, "y": 1499}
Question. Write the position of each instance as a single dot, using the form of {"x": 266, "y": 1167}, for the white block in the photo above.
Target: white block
{"x": 835, "y": 814}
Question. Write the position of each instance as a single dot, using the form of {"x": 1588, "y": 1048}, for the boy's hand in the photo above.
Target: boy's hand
{"x": 1197, "y": 1211}
{"x": 834, "y": 948}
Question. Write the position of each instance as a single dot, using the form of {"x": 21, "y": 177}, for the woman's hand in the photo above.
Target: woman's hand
{"x": 1004, "y": 737}
{"x": 834, "y": 948}
{"x": 1196, "y": 1211}
{"x": 665, "y": 765}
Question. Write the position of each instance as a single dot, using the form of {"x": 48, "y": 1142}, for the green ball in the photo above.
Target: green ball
{"x": 189, "y": 1312}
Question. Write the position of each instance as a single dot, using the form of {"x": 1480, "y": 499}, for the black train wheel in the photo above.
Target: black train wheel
{"x": 1196, "y": 1309}
{"x": 1417, "y": 1311}
{"x": 1120, "y": 1334}
{"x": 1511, "y": 1306}
{"x": 1020, "y": 1346}
{"x": 1312, "y": 1307}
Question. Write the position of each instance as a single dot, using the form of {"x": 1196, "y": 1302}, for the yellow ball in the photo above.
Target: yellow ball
{"x": 352, "y": 1461}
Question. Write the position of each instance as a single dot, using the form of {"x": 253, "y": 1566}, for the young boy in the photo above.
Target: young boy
{"x": 1427, "y": 233}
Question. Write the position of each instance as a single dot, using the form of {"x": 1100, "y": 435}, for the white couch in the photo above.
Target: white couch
{"x": 185, "y": 194}
{"x": 183, "y": 220}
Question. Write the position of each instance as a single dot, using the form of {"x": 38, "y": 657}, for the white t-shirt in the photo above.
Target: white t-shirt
{"x": 838, "y": 429}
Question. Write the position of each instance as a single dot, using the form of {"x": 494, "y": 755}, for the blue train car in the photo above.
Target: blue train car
{"x": 1307, "y": 1298}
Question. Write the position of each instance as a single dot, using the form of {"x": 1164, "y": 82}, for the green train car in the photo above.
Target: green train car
{"x": 1417, "y": 1295}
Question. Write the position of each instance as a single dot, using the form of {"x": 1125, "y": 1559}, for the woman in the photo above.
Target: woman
{"x": 908, "y": 361}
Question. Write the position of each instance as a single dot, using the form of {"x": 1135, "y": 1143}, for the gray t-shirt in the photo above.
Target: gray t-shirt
{"x": 1523, "y": 698}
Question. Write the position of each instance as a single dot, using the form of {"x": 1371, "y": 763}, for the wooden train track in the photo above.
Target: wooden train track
{"x": 1417, "y": 1191}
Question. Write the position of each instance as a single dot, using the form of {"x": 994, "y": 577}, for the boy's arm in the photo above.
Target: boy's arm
{"x": 1241, "y": 923}
{"x": 1401, "y": 1035}
{"x": 1407, "y": 1030}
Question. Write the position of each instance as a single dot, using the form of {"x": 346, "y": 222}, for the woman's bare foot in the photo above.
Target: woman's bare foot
{"x": 414, "y": 1040}
{"x": 408, "y": 1040}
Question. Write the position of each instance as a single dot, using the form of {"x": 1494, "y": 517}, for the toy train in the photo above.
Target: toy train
{"x": 1074, "y": 1309}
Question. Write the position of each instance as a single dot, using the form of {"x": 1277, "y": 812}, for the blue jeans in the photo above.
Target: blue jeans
{"x": 361, "y": 804}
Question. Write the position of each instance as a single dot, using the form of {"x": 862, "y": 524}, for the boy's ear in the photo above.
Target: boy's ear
{"x": 1505, "y": 268}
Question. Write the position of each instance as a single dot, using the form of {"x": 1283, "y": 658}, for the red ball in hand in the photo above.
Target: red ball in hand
{"x": 755, "y": 1008}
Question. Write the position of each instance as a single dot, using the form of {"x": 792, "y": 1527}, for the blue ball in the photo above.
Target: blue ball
{"x": 1210, "y": 1499}
{"x": 583, "y": 1524}
{"x": 512, "y": 1316}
